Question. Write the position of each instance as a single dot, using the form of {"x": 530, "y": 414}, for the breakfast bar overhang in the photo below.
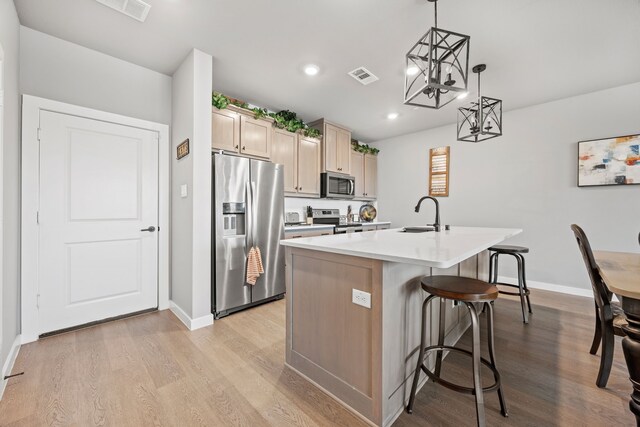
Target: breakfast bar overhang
{"x": 365, "y": 357}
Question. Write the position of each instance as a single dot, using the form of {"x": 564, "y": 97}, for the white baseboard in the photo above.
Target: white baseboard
{"x": 533, "y": 284}
{"x": 8, "y": 364}
{"x": 191, "y": 324}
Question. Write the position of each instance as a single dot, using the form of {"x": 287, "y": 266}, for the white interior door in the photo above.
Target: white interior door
{"x": 1, "y": 193}
{"x": 98, "y": 191}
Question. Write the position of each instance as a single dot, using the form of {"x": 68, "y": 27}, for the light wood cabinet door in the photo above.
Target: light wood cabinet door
{"x": 330, "y": 141}
{"x": 343, "y": 152}
{"x": 225, "y": 130}
{"x": 255, "y": 137}
{"x": 357, "y": 170}
{"x": 370, "y": 176}
{"x": 284, "y": 150}
{"x": 308, "y": 166}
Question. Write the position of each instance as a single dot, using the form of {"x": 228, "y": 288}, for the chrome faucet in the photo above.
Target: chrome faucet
{"x": 436, "y": 224}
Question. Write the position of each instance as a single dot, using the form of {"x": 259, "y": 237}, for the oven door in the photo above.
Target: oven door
{"x": 336, "y": 186}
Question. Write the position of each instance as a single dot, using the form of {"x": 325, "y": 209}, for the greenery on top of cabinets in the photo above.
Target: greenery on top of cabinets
{"x": 363, "y": 148}
{"x": 219, "y": 101}
{"x": 313, "y": 133}
{"x": 284, "y": 119}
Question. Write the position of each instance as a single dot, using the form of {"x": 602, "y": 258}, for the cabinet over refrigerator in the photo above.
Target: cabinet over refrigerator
{"x": 248, "y": 211}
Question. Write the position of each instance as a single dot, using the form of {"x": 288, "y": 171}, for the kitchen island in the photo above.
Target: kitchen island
{"x": 365, "y": 356}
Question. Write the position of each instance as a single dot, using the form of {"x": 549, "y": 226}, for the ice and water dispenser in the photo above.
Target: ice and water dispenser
{"x": 233, "y": 216}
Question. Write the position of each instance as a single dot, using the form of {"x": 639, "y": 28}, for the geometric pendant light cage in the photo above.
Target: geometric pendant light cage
{"x": 482, "y": 118}
{"x": 437, "y": 67}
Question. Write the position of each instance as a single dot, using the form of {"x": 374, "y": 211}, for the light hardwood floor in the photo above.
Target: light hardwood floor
{"x": 150, "y": 370}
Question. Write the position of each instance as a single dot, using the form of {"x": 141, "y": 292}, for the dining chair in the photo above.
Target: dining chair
{"x": 609, "y": 315}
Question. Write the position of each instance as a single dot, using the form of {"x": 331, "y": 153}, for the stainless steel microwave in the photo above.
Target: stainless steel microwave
{"x": 337, "y": 186}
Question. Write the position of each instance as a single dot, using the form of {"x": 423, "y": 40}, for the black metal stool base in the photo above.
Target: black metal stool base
{"x": 477, "y": 390}
{"x": 523, "y": 290}
{"x": 456, "y": 387}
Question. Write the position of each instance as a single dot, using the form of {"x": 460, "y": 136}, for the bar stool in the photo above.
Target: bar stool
{"x": 467, "y": 291}
{"x": 523, "y": 291}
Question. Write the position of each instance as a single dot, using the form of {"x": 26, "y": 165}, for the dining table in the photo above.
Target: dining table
{"x": 621, "y": 273}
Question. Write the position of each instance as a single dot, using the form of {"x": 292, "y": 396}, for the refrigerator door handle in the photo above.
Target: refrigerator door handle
{"x": 253, "y": 214}
{"x": 249, "y": 212}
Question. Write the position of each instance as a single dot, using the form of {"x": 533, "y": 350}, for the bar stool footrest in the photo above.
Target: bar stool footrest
{"x": 524, "y": 291}
{"x": 456, "y": 387}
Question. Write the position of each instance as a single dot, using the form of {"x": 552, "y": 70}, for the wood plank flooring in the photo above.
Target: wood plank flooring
{"x": 150, "y": 370}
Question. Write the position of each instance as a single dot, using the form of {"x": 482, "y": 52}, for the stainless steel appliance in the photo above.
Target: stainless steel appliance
{"x": 337, "y": 186}
{"x": 248, "y": 210}
{"x": 332, "y": 217}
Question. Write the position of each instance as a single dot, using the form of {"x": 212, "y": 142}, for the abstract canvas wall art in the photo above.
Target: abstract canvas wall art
{"x": 611, "y": 161}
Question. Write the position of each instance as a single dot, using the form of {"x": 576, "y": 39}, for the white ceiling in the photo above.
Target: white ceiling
{"x": 535, "y": 50}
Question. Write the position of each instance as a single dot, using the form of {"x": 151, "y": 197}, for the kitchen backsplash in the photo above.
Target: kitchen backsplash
{"x": 296, "y": 204}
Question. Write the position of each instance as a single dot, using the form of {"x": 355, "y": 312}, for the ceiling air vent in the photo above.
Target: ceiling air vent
{"x": 363, "y": 75}
{"x": 136, "y": 9}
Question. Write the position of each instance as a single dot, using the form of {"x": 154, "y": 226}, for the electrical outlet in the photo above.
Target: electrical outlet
{"x": 183, "y": 191}
{"x": 361, "y": 298}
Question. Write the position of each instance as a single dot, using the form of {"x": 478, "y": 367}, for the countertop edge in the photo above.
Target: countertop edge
{"x": 427, "y": 263}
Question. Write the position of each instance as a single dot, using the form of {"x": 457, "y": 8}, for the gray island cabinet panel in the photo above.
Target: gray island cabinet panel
{"x": 365, "y": 357}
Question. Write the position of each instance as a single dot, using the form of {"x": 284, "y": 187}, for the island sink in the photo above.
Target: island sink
{"x": 422, "y": 229}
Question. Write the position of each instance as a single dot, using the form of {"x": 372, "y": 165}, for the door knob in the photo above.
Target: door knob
{"x": 150, "y": 229}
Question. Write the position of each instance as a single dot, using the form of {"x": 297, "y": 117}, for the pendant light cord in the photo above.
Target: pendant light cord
{"x": 435, "y": 8}
{"x": 479, "y": 84}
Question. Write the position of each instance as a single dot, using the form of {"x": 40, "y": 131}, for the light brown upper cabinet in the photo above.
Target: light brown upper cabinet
{"x": 336, "y": 146}
{"x": 308, "y": 166}
{"x": 225, "y": 130}
{"x": 240, "y": 133}
{"x": 255, "y": 137}
{"x": 300, "y": 156}
{"x": 370, "y": 176}
{"x": 364, "y": 167}
{"x": 284, "y": 150}
{"x": 357, "y": 170}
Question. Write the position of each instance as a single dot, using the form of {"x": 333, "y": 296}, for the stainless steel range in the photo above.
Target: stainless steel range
{"x": 332, "y": 217}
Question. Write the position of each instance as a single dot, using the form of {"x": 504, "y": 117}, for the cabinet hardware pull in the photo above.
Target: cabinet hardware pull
{"x": 237, "y": 146}
{"x": 300, "y": 188}
{"x": 244, "y": 148}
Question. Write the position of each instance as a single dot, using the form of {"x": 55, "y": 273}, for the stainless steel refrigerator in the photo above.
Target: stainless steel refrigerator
{"x": 248, "y": 211}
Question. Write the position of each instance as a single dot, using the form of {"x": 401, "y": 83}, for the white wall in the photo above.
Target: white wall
{"x": 191, "y": 216}
{"x": 62, "y": 71}
{"x": 9, "y": 38}
{"x": 525, "y": 179}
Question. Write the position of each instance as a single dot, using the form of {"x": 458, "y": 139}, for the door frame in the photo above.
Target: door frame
{"x": 29, "y": 265}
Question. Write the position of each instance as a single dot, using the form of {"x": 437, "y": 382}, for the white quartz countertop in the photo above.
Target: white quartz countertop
{"x": 431, "y": 249}
{"x": 372, "y": 223}
{"x": 308, "y": 227}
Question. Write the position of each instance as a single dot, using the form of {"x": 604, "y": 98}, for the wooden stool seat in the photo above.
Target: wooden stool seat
{"x": 509, "y": 249}
{"x": 459, "y": 288}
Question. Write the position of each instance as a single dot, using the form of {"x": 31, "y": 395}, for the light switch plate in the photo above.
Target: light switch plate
{"x": 183, "y": 191}
{"x": 361, "y": 298}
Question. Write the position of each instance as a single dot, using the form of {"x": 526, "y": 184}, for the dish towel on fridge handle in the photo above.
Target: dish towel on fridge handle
{"x": 254, "y": 265}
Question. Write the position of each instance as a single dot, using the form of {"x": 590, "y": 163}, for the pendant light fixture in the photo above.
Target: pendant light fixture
{"x": 437, "y": 67}
{"x": 482, "y": 119}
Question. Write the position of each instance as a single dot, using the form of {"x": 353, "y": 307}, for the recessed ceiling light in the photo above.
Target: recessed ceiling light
{"x": 392, "y": 116}
{"x": 463, "y": 95}
{"x": 311, "y": 70}
{"x": 412, "y": 70}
